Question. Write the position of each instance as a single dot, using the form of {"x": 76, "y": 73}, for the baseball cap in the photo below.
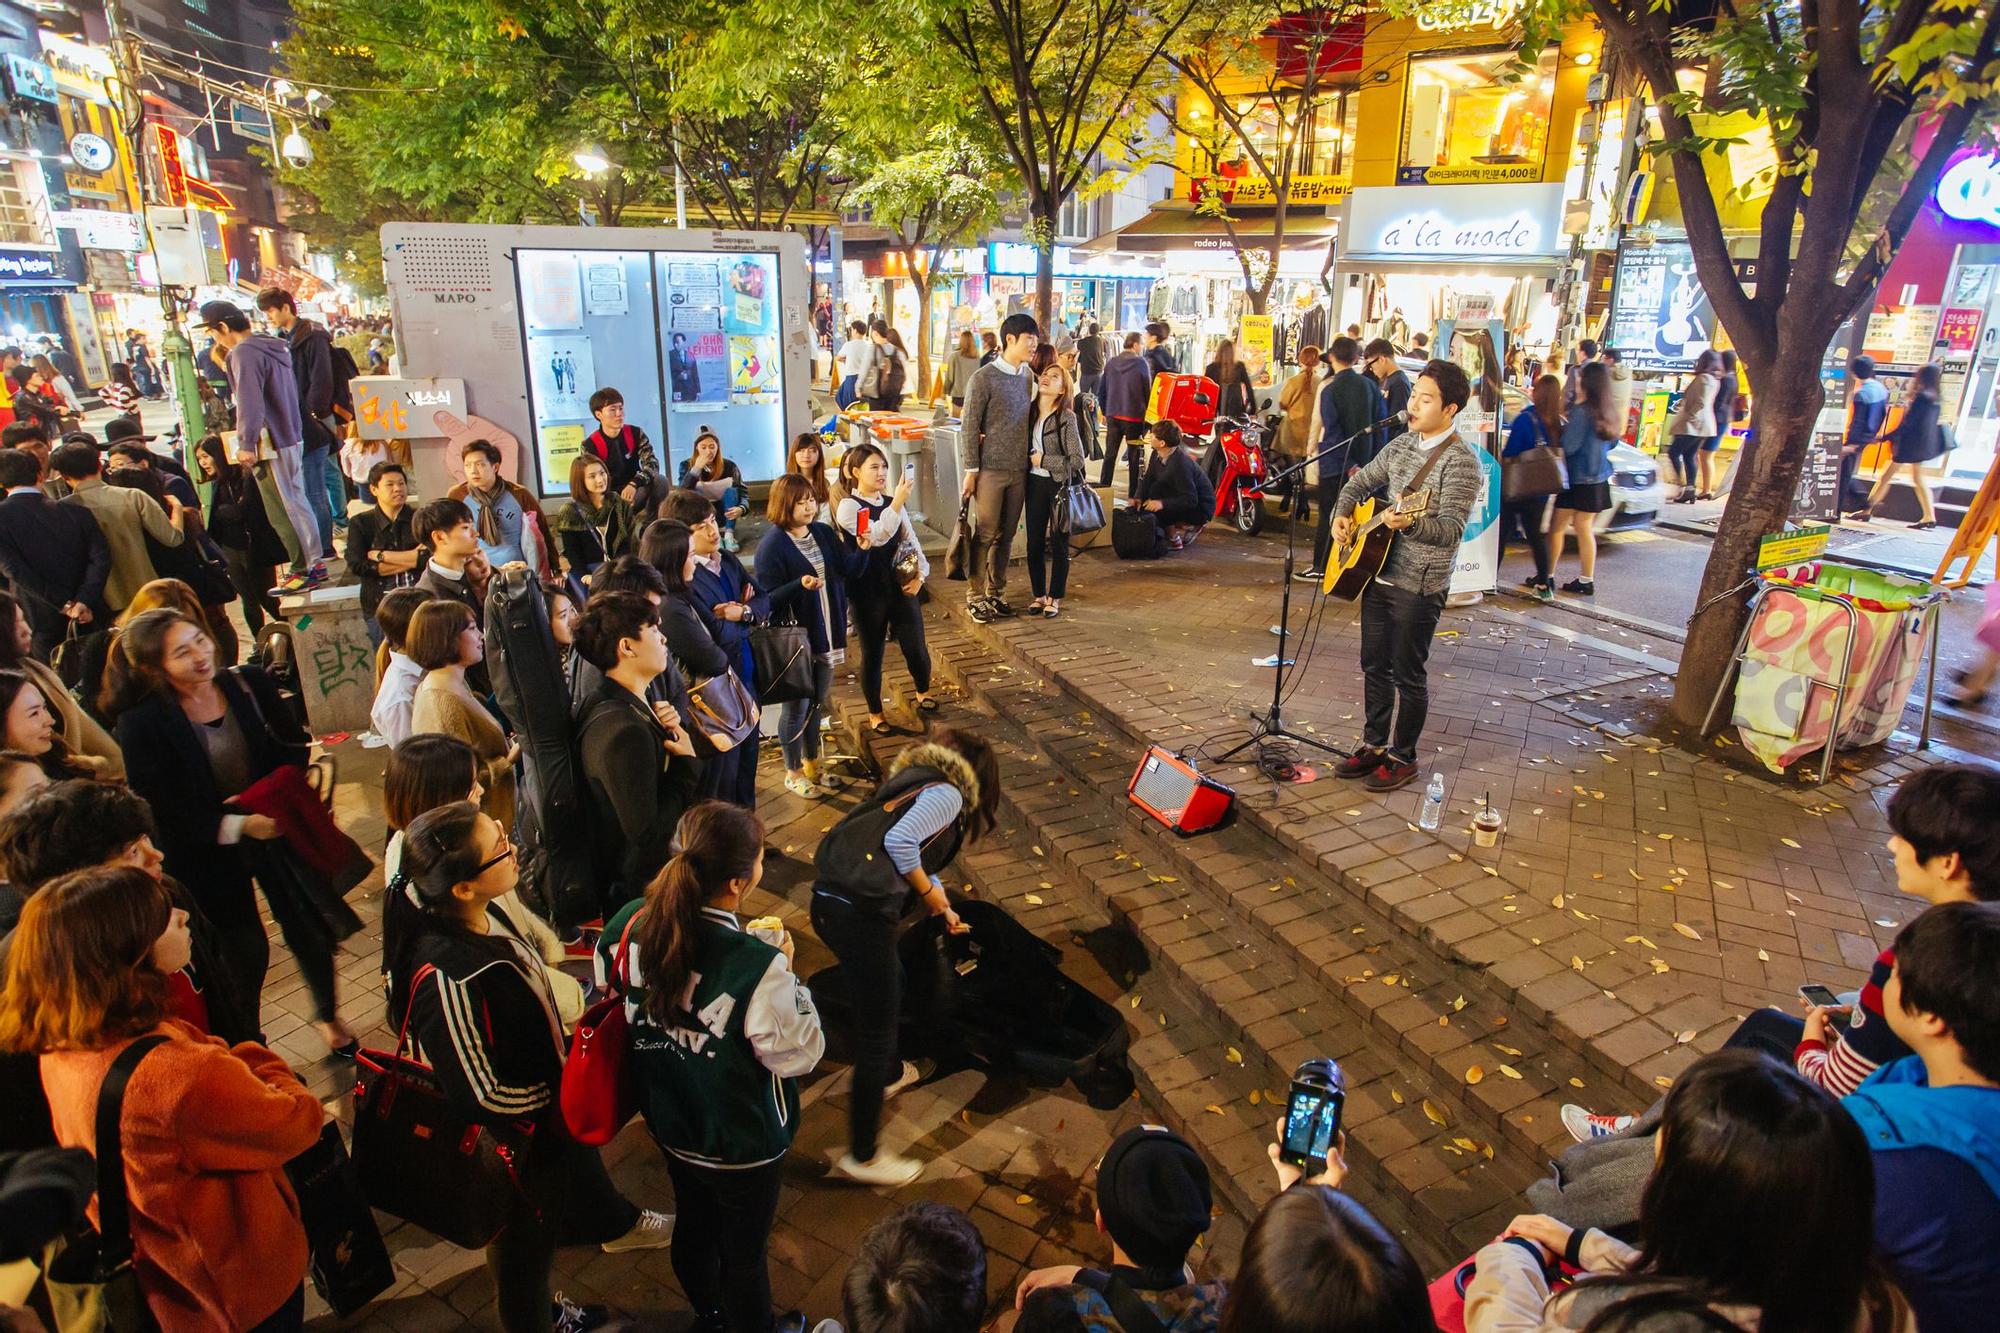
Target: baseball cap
{"x": 124, "y": 428}
{"x": 215, "y": 313}
{"x": 1153, "y": 1192}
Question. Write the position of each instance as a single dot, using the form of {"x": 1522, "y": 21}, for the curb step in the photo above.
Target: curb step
{"x": 1237, "y": 1017}
{"x": 1498, "y": 940}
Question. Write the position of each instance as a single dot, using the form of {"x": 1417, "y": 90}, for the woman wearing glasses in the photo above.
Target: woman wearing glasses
{"x": 476, "y": 1001}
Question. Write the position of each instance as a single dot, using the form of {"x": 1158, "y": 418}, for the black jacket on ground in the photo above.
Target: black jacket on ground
{"x": 166, "y": 763}
{"x": 637, "y": 791}
{"x": 53, "y": 554}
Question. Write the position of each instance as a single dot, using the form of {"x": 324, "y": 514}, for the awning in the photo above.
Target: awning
{"x": 1513, "y": 266}
{"x": 1183, "y": 229}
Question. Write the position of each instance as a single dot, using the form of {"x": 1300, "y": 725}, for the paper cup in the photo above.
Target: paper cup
{"x": 1485, "y": 830}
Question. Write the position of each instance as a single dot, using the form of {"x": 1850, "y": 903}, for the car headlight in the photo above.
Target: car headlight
{"x": 1635, "y": 478}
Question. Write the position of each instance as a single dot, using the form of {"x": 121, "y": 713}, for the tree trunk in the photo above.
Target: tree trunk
{"x": 925, "y": 294}
{"x": 1045, "y": 211}
{"x": 1258, "y": 296}
{"x": 1787, "y": 403}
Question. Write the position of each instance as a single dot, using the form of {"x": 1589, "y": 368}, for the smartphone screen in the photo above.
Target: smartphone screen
{"x": 910, "y": 471}
{"x": 1312, "y": 1118}
{"x": 1825, "y": 998}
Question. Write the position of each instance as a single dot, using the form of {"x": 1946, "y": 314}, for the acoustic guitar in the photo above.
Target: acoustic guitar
{"x": 1354, "y": 564}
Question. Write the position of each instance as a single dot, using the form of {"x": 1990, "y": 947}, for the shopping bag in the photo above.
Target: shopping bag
{"x": 598, "y": 1096}
{"x": 91, "y": 1283}
{"x": 782, "y": 658}
{"x": 418, "y": 1159}
{"x": 958, "y": 552}
{"x": 348, "y": 1263}
{"x": 1078, "y": 511}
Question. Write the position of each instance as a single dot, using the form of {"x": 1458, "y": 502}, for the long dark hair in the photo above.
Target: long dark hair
{"x": 228, "y": 475}
{"x": 1225, "y": 362}
{"x": 1764, "y": 1195}
{"x": 427, "y": 771}
{"x": 1593, "y": 382}
{"x": 664, "y": 545}
{"x": 58, "y": 763}
{"x": 1928, "y": 378}
{"x": 1708, "y": 363}
{"x": 1316, "y": 1262}
{"x": 717, "y": 842}
{"x": 440, "y": 851}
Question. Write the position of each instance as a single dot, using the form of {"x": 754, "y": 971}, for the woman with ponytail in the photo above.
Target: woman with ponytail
{"x": 721, "y": 1030}
{"x": 475, "y": 999}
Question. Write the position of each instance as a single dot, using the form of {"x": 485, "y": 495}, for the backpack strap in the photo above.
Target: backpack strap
{"x": 114, "y": 1211}
{"x": 1134, "y": 1315}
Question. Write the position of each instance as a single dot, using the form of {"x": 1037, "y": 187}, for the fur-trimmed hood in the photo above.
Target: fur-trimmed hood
{"x": 945, "y": 760}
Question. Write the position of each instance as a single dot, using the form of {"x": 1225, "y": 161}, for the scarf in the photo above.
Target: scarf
{"x": 486, "y": 512}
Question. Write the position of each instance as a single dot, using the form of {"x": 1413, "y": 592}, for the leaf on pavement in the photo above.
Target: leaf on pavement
{"x": 1474, "y": 1074}
{"x": 1687, "y": 930}
{"x": 1436, "y": 1116}
{"x": 1510, "y": 1071}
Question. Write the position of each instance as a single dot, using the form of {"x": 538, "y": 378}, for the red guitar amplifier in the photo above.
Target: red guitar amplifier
{"x": 1173, "y": 791}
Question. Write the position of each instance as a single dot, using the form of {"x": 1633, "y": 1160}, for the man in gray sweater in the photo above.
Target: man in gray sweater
{"x": 1400, "y": 609}
{"x": 993, "y": 456}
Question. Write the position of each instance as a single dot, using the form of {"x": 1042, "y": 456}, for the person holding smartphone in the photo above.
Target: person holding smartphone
{"x": 883, "y": 593}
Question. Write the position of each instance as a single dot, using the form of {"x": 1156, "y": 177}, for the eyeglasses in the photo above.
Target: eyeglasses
{"x": 506, "y": 852}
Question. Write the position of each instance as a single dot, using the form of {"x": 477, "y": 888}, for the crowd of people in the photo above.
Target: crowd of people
{"x": 153, "y": 785}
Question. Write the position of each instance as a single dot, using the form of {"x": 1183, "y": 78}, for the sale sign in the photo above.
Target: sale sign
{"x": 1958, "y": 328}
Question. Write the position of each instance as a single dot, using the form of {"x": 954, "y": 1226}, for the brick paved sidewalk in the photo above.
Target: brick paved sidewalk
{"x": 1641, "y": 900}
{"x": 1015, "y": 1158}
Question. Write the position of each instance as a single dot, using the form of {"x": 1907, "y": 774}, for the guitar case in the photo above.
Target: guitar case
{"x": 532, "y": 689}
{"x": 997, "y": 997}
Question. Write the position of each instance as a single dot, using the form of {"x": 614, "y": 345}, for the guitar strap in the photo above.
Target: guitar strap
{"x": 1416, "y": 483}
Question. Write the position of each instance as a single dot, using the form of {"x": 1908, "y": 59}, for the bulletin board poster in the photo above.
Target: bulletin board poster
{"x": 1254, "y": 343}
{"x": 551, "y": 290}
{"x": 750, "y": 317}
{"x": 562, "y": 374}
{"x": 699, "y": 307}
{"x": 697, "y": 366}
{"x": 560, "y": 443}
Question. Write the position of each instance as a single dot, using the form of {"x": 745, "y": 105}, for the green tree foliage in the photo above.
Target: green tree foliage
{"x": 1864, "y": 104}
{"x": 941, "y": 195}
{"x": 1058, "y": 83}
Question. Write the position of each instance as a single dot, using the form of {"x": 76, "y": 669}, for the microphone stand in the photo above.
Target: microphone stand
{"x": 1272, "y": 724}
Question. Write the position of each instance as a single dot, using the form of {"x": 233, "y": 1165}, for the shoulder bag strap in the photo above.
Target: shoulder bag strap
{"x": 624, "y": 940}
{"x": 1133, "y": 1314}
{"x": 403, "y": 1033}
{"x": 114, "y": 1213}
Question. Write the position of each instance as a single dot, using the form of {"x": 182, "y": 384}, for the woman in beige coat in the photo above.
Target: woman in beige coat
{"x": 444, "y": 641}
{"x": 1298, "y": 400}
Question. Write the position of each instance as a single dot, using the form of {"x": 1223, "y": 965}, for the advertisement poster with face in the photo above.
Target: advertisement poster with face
{"x": 1477, "y": 347}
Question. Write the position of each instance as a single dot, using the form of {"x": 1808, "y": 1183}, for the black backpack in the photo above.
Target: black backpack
{"x": 344, "y": 370}
{"x": 894, "y": 376}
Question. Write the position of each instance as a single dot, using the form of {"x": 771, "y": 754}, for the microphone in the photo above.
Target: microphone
{"x": 1399, "y": 419}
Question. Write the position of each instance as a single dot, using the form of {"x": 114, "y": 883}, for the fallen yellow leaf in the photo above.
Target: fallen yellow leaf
{"x": 1683, "y": 1038}
{"x": 1436, "y": 1116}
{"x": 1576, "y": 962}
{"x": 1556, "y": 902}
{"x": 1038, "y": 851}
{"x": 1467, "y": 1144}
{"x": 1255, "y": 1096}
{"x": 1235, "y": 1056}
{"x": 1034, "y": 900}
{"x": 1024, "y": 1198}
{"x": 1687, "y": 930}
{"x": 1510, "y": 1071}
{"x": 1659, "y": 965}
{"x": 1395, "y": 1097}
{"x": 1474, "y": 1074}
{"x": 1788, "y": 842}
{"x": 1213, "y": 1110}
{"x": 1444, "y": 1020}
{"x": 1763, "y": 957}
{"x": 1664, "y": 1081}
{"x": 1576, "y": 1082}
{"x": 1505, "y": 1050}
{"x": 1458, "y": 1004}
{"x": 1135, "y": 1002}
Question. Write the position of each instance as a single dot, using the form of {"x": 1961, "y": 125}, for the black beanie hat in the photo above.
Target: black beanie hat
{"x": 1152, "y": 1189}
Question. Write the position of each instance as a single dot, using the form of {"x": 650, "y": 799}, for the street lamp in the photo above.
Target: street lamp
{"x": 591, "y": 160}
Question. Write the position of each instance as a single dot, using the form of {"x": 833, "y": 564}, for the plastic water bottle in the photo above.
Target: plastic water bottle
{"x": 1433, "y": 804}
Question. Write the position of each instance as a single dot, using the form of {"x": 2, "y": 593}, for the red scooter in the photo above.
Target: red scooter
{"x": 1239, "y": 490}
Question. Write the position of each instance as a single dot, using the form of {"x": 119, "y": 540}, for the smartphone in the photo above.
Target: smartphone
{"x": 910, "y": 471}
{"x": 1312, "y": 1120}
{"x": 1824, "y": 997}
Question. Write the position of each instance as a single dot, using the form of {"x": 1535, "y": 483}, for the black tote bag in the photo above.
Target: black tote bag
{"x": 348, "y": 1263}
{"x": 782, "y": 658}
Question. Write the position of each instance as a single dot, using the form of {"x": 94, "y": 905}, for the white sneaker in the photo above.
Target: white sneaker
{"x": 884, "y": 1168}
{"x": 653, "y": 1231}
{"x": 909, "y": 1078}
{"x": 1583, "y": 1125}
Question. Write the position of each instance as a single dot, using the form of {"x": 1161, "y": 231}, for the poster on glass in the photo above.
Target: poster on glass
{"x": 551, "y": 290}
{"x": 1660, "y": 316}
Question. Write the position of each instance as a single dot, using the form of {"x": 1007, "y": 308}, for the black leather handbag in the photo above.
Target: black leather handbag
{"x": 419, "y": 1160}
{"x": 782, "y": 658}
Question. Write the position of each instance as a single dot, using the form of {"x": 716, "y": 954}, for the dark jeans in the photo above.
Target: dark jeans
{"x": 875, "y": 615}
{"x": 1048, "y": 557}
{"x": 865, "y": 943}
{"x": 1530, "y": 514}
{"x": 253, "y": 588}
{"x": 568, "y": 1200}
{"x": 1681, "y": 452}
{"x": 313, "y": 464}
{"x": 721, "y": 775}
{"x": 1848, "y": 495}
{"x": 722, "y": 1230}
{"x": 287, "y": 1318}
{"x": 1132, "y": 434}
{"x": 1396, "y": 630}
{"x": 247, "y": 950}
{"x": 1328, "y": 492}
{"x": 1772, "y": 1031}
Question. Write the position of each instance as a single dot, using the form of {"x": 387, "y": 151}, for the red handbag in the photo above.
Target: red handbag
{"x": 597, "y": 1093}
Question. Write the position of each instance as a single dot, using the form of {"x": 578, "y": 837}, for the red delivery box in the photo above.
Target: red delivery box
{"x": 1186, "y": 400}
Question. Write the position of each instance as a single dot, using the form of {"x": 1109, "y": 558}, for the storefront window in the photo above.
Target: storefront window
{"x": 1464, "y": 122}
{"x": 690, "y": 338}
{"x": 1329, "y": 132}
{"x": 24, "y": 209}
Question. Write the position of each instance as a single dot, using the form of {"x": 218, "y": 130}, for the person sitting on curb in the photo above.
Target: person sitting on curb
{"x": 1932, "y": 1119}
{"x": 1153, "y": 1202}
{"x": 1175, "y": 491}
{"x": 1947, "y": 850}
